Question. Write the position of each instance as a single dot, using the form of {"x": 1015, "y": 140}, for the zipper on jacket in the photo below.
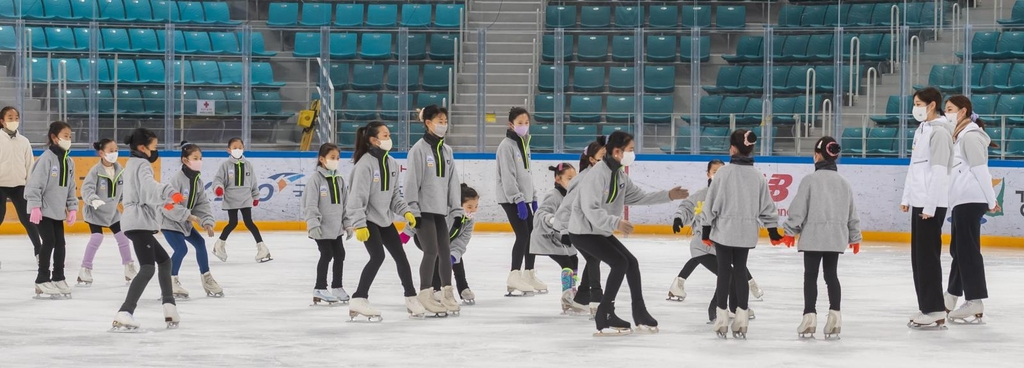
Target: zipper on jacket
{"x": 64, "y": 170}
{"x": 239, "y": 174}
{"x": 192, "y": 192}
{"x": 613, "y": 190}
{"x": 385, "y": 174}
{"x": 335, "y": 193}
{"x": 457, "y": 228}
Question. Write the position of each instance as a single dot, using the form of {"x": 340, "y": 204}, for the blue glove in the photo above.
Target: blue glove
{"x": 453, "y": 260}
{"x": 534, "y": 206}
{"x": 523, "y": 211}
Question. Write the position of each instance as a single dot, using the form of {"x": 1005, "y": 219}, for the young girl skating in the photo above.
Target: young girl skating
{"x": 323, "y": 208}
{"x": 547, "y": 240}
{"x": 589, "y": 291}
{"x": 50, "y": 194}
{"x": 15, "y": 164}
{"x": 235, "y": 183}
{"x": 177, "y": 222}
{"x": 516, "y": 195}
{"x": 101, "y": 192}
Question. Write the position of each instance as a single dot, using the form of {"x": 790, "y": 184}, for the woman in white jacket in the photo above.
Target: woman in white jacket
{"x": 15, "y": 164}
{"x": 970, "y": 196}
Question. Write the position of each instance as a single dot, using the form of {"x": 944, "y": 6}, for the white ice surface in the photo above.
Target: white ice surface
{"x": 265, "y": 318}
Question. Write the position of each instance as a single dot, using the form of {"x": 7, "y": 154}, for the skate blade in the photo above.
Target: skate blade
{"x": 437, "y": 315}
{"x": 49, "y": 297}
{"x": 545, "y": 291}
{"x": 806, "y": 335}
{"x": 722, "y": 335}
{"x": 416, "y": 316}
{"x": 83, "y": 283}
{"x": 125, "y": 329}
{"x": 181, "y": 297}
{"x": 645, "y": 329}
{"x": 675, "y": 298}
{"x": 365, "y": 318}
{"x": 512, "y": 294}
{"x": 264, "y": 260}
{"x": 469, "y": 302}
{"x": 613, "y": 332}
{"x": 832, "y": 336}
{"x": 172, "y": 325}
{"x": 454, "y": 313}
{"x": 939, "y": 325}
{"x": 739, "y": 335}
{"x": 215, "y": 295}
{"x": 974, "y": 320}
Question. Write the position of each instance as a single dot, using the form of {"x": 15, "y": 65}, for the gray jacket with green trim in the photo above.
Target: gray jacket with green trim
{"x": 237, "y": 178}
{"x": 373, "y": 193}
{"x": 143, "y": 196}
{"x": 823, "y": 212}
{"x": 51, "y": 185}
{"x": 432, "y": 184}
{"x": 100, "y": 186}
{"x": 514, "y": 184}
{"x": 603, "y": 196}
{"x": 190, "y": 185}
{"x": 738, "y": 205}
{"x": 323, "y": 204}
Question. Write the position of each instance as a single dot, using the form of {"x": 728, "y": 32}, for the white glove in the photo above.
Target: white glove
{"x": 96, "y": 203}
{"x": 315, "y": 233}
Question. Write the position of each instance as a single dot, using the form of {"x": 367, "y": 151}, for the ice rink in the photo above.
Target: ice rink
{"x": 266, "y": 318}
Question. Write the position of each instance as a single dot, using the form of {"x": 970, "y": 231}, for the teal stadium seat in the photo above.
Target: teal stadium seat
{"x": 664, "y": 16}
{"x": 585, "y": 109}
{"x": 696, "y": 16}
{"x": 348, "y": 15}
{"x": 282, "y": 14}
{"x": 588, "y": 79}
{"x": 448, "y": 15}
{"x": 385, "y": 15}
{"x": 621, "y": 79}
{"x": 416, "y": 15}
{"x": 560, "y": 16}
{"x": 316, "y": 14}
{"x": 593, "y": 48}
{"x": 595, "y": 16}
{"x": 367, "y": 77}
{"x": 629, "y": 16}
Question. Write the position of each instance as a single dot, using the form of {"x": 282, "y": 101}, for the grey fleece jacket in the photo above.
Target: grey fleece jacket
{"x": 51, "y": 185}
{"x": 100, "y": 186}
{"x": 514, "y": 184}
{"x": 689, "y": 210}
{"x": 323, "y": 204}
{"x": 545, "y": 239}
{"x": 432, "y": 184}
{"x": 460, "y": 231}
{"x": 823, "y": 212}
{"x": 373, "y": 193}
{"x": 143, "y": 196}
{"x": 738, "y": 205}
{"x": 239, "y": 183}
{"x": 564, "y": 212}
{"x": 190, "y": 185}
{"x": 602, "y": 198}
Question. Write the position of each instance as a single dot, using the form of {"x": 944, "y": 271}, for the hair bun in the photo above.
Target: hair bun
{"x": 97, "y": 146}
{"x": 184, "y": 143}
{"x": 552, "y": 168}
{"x": 603, "y": 140}
{"x": 833, "y": 148}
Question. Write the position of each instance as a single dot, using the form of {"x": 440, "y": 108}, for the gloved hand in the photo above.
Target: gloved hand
{"x": 177, "y": 198}
{"x": 705, "y": 236}
{"x": 315, "y": 233}
{"x": 453, "y": 260}
{"x": 362, "y": 234}
{"x": 534, "y": 206}
{"x": 72, "y": 217}
{"x": 169, "y": 206}
{"x": 96, "y": 203}
{"x": 418, "y": 222}
{"x": 522, "y": 211}
{"x": 411, "y": 219}
{"x": 404, "y": 238}
{"x": 565, "y": 240}
{"x": 788, "y": 241}
{"x": 255, "y": 202}
{"x": 677, "y": 225}
{"x": 773, "y": 234}
{"x": 855, "y": 247}
{"x": 35, "y": 216}
{"x": 219, "y": 191}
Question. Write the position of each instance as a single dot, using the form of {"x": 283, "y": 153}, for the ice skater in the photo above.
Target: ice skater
{"x": 177, "y": 222}
{"x": 50, "y": 195}
{"x": 142, "y": 199}
{"x": 597, "y": 214}
{"x": 823, "y": 213}
{"x": 589, "y": 291}
{"x": 970, "y": 195}
{"x": 323, "y": 209}
{"x": 235, "y": 183}
{"x": 432, "y": 189}
{"x": 737, "y": 202}
{"x": 15, "y": 164}
{"x": 926, "y": 197}
{"x": 101, "y": 192}
{"x": 373, "y": 203}
{"x": 546, "y": 240}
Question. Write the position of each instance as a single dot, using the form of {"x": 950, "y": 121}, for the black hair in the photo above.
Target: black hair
{"x": 743, "y": 140}
{"x": 235, "y": 139}
{"x": 432, "y": 111}
{"x": 363, "y": 135}
{"x": 326, "y": 149}
{"x": 514, "y": 113}
{"x": 139, "y": 137}
{"x": 714, "y": 162}
{"x": 591, "y": 151}
{"x": 102, "y": 143}
{"x": 3, "y": 112}
{"x": 468, "y": 193}
{"x": 828, "y": 148}
{"x": 619, "y": 139}
{"x": 561, "y": 168}
{"x": 55, "y": 129}
{"x": 929, "y": 95}
{"x": 187, "y": 149}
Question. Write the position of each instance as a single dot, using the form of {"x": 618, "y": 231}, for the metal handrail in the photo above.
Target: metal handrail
{"x": 854, "y": 68}
{"x": 329, "y": 111}
{"x": 872, "y": 90}
{"x": 28, "y": 69}
{"x": 915, "y": 57}
{"x": 810, "y": 105}
{"x": 937, "y": 17}
{"x": 956, "y": 25}
{"x": 896, "y": 34}
{"x": 826, "y": 117}
{"x": 453, "y": 73}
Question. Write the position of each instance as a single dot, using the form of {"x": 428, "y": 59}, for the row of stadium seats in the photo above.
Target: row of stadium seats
{"x": 618, "y": 109}
{"x": 134, "y": 40}
{"x": 150, "y": 71}
{"x": 152, "y": 102}
{"x": 376, "y": 46}
{"x": 785, "y": 79}
{"x": 196, "y": 12}
{"x": 718, "y": 110}
{"x": 376, "y": 15}
{"x": 657, "y": 79}
{"x": 660, "y": 48}
{"x": 661, "y": 16}
{"x": 811, "y": 48}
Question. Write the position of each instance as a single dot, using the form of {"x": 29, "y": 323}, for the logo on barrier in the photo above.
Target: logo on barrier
{"x": 778, "y": 186}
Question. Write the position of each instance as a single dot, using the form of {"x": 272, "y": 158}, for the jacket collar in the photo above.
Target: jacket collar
{"x": 825, "y": 165}
{"x": 511, "y": 134}
{"x": 742, "y": 160}
{"x": 612, "y": 163}
{"x": 326, "y": 173}
{"x": 377, "y": 152}
{"x": 432, "y": 139}
{"x": 189, "y": 173}
{"x": 57, "y": 150}
{"x": 559, "y": 188}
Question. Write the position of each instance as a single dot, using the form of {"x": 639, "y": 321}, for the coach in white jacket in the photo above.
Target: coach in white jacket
{"x": 15, "y": 164}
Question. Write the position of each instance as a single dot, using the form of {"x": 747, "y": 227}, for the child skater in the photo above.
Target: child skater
{"x": 101, "y": 192}
{"x": 597, "y": 214}
{"x": 546, "y": 240}
{"x": 323, "y": 207}
{"x": 50, "y": 194}
{"x": 701, "y": 254}
{"x": 177, "y": 222}
{"x": 15, "y": 164}
{"x": 517, "y": 197}
{"x": 737, "y": 202}
{"x": 459, "y": 235}
{"x": 142, "y": 199}
{"x": 373, "y": 202}
{"x": 825, "y": 217}
{"x": 432, "y": 192}
{"x": 235, "y": 182}
{"x": 589, "y": 291}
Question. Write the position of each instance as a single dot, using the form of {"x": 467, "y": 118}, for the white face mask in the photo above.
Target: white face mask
{"x": 12, "y": 125}
{"x": 331, "y": 164}
{"x": 470, "y": 215}
{"x": 385, "y": 145}
{"x": 953, "y": 117}
{"x": 440, "y": 130}
{"x": 195, "y": 165}
{"x": 237, "y": 153}
{"x": 920, "y": 113}
{"x": 111, "y": 157}
{"x": 64, "y": 144}
{"x": 628, "y": 158}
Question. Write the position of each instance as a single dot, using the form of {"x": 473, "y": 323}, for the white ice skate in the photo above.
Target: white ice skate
{"x": 833, "y": 325}
{"x": 950, "y": 301}
{"x": 808, "y": 325}
{"x": 211, "y": 286}
{"x": 130, "y": 272}
{"x": 933, "y": 320}
{"x": 468, "y": 298}
{"x": 124, "y": 322}
{"x": 47, "y": 290}
{"x": 677, "y": 292}
{"x": 361, "y": 307}
{"x": 322, "y": 295}
{"x": 65, "y": 289}
{"x": 530, "y": 277}
{"x": 84, "y": 277}
{"x": 415, "y": 309}
{"x": 750, "y": 314}
{"x": 426, "y": 299}
{"x": 755, "y": 291}
{"x": 739, "y": 325}
{"x": 721, "y": 326}
{"x": 262, "y": 253}
{"x": 171, "y": 315}
{"x": 220, "y": 250}
{"x": 570, "y": 307}
{"x": 970, "y": 313}
{"x": 449, "y": 302}
{"x": 340, "y": 294}
{"x": 177, "y": 290}
{"x": 516, "y": 283}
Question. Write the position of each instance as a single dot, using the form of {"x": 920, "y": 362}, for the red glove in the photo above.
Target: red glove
{"x": 788, "y": 241}
{"x": 177, "y": 198}
{"x": 855, "y": 247}
{"x": 708, "y": 243}
{"x": 169, "y": 206}
{"x": 255, "y": 202}
{"x": 404, "y": 238}
{"x": 219, "y": 191}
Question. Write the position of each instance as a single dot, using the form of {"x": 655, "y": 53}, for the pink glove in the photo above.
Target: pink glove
{"x": 35, "y": 216}
{"x": 405, "y": 238}
{"x": 72, "y": 217}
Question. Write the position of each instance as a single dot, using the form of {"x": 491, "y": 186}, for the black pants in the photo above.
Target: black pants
{"x": 52, "y": 232}
{"x": 732, "y": 276}
{"x": 149, "y": 252}
{"x": 233, "y": 222}
{"x": 384, "y": 238}
{"x": 710, "y": 262}
{"x": 589, "y": 290}
{"x": 330, "y": 249}
{"x": 829, "y": 262}
{"x": 97, "y": 229}
{"x": 432, "y": 235}
{"x": 622, "y": 263}
{"x": 925, "y": 258}
{"x": 967, "y": 272}
{"x": 459, "y": 269}
{"x": 17, "y": 197}
{"x": 522, "y": 228}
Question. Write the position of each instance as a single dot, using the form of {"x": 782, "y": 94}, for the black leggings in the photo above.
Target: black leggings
{"x": 432, "y": 233}
{"x": 967, "y": 272}
{"x": 330, "y": 249}
{"x": 233, "y": 221}
{"x": 710, "y": 262}
{"x": 384, "y": 238}
{"x": 732, "y": 264}
{"x": 829, "y": 262}
{"x": 459, "y": 269}
{"x": 522, "y": 228}
{"x": 589, "y": 290}
{"x": 52, "y": 232}
{"x": 623, "y": 264}
{"x": 926, "y": 259}
{"x": 97, "y": 229}
{"x": 17, "y": 197}
{"x": 149, "y": 252}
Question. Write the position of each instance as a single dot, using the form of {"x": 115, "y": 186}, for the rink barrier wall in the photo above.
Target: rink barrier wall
{"x": 877, "y": 183}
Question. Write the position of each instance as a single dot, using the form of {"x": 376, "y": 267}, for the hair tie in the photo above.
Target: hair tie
{"x": 585, "y": 150}
{"x": 829, "y": 152}
{"x": 559, "y": 167}
{"x": 421, "y": 114}
{"x": 974, "y": 117}
{"x": 746, "y": 142}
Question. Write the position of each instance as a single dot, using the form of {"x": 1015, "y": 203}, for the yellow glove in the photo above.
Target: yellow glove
{"x": 412, "y": 219}
{"x": 362, "y": 234}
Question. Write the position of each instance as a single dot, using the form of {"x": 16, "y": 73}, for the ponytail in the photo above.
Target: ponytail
{"x": 363, "y": 135}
